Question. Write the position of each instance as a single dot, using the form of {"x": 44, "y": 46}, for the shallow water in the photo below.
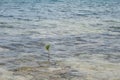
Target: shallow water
{"x": 72, "y": 28}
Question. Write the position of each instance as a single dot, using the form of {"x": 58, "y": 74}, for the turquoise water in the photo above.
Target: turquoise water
{"x": 72, "y": 27}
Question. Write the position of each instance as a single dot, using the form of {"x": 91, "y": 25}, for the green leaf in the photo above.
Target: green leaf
{"x": 47, "y": 47}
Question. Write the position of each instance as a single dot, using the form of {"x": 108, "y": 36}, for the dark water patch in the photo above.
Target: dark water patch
{"x": 32, "y": 32}
{"x": 6, "y": 26}
{"x": 17, "y": 45}
{"x": 6, "y": 47}
{"x": 96, "y": 24}
{"x": 38, "y": 44}
{"x": 114, "y": 29}
{"x": 111, "y": 37}
{"x": 6, "y": 16}
{"x": 80, "y": 39}
{"x": 23, "y": 45}
{"x": 112, "y": 58}
{"x": 23, "y": 19}
{"x": 2, "y": 64}
{"x": 111, "y": 21}
{"x": 3, "y": 23}
{"x": 83, "y": 15}
{"x": 21, "y": 10}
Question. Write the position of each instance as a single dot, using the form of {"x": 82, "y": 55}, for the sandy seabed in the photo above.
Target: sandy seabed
{"x": 86, "y": 67}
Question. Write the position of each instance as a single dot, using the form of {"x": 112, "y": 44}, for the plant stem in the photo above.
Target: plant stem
{"x": 49, "y": 57}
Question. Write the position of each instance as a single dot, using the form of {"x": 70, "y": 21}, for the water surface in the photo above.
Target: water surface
{"x": 72, "y": 27}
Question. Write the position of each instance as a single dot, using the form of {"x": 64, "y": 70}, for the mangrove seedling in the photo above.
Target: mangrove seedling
{"x": 47, "y": 47}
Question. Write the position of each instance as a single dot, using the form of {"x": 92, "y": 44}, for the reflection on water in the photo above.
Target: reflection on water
{"x": 85, "y": 34}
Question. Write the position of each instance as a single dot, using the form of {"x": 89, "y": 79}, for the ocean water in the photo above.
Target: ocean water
{"x": 73, "y": 28}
